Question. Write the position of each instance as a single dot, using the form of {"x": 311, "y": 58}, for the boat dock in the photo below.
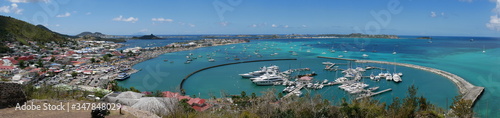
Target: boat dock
{"x": 469, "y": 91}
{"x": 337, "y": 58}
{"x": 370, "y": 94}
{"x": 298, "y": 88}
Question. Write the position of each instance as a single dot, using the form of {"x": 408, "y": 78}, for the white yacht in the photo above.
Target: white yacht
{"x": 211, "y": 60}
{"x": 341, "y": 79}
{"x": 365, "y": 55}
{"x": 388, "y": 76}
{"x": 396, "y": 77}
{"x": 267, "y": 80}
{"x": 255, "y": 73}
{"x": 262, "y": 71}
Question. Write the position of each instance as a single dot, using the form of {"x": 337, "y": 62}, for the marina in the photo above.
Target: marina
{"x": 469, "y": 91}
{"x": 271, "y": 76}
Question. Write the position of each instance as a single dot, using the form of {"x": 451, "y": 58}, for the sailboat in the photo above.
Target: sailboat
{"x": 396, "y": 77}
{"x": 332, "y": 50}
{"x": 484, "y": 50}
{"x": 394, "y": 51}
{"x": 362, "y": 47}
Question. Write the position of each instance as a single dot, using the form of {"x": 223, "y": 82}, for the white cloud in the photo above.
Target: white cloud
{"x": 494, "y": 23}
{"x": 192, "y": 25}
{"x": 304, "y": 25}
{"x": 286, "y": 26}
{"x": 274, "y": 25}
{"x": 13, "y": 8}
{"x": 433, "y": 14}
{"x": 64, "y": 15}
{"x": 88, "y": 13}
{"x": 57, "y": 25}
{"x": 162, "y": 20}
{"x": 28, "y": 1}
{"x": 253, "y": 25}
{"x": 129, "y": 19}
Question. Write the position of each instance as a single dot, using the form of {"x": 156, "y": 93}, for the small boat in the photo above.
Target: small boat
{"x": 122, "y": 76}
{"x": 373, "y": 88}
{"x": 297, "y": 93}
{"x": 211, "y": 60}
{"x": 365, "y": 55}
{"x": 394, "y": 52}
{"x": 187, "y": 62}
{"x": 166, "y": 60}
{"x": 310, "y": 75}
{"x": 340, "y": 56}
{"x": 325, "y": 81}
{"x": 372, "y": 77}
{"x": 236, "y": 58}
{"x": 323, "y": 53}
{"x": 388, "y": 76}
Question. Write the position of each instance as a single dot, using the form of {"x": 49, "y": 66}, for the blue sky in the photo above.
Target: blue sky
{"x": 125, "y": 17}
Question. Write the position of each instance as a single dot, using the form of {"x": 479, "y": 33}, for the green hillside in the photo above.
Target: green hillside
{"x": 12, "y": 30}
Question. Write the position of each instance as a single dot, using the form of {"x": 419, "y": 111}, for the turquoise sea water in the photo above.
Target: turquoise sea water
{"x": 457, "y": 55}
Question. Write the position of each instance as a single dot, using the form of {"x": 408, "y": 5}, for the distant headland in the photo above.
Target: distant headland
{"x": 151, "y": 36}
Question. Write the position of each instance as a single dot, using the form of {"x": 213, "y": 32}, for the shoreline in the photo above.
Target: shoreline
{"x": 468, "y": 90}
{"x": 147, "y": 55}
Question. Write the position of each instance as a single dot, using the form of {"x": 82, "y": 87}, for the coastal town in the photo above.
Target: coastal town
{"x": 86, "y": 65}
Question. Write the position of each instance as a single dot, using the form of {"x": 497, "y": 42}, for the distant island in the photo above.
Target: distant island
{"x": 151, "y": 36}
{"x": 424, "y": 37}
{"x": 359, "y": 35}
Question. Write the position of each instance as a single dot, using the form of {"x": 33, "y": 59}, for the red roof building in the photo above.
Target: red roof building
{"x": 198, "y": 104}
{"x": 26, "y": 58}
{"x": 169, "y": 94}
{"x": 6, "y": 68}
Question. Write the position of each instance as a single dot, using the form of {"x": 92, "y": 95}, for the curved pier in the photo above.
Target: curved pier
{"x": 185, "y": 78}
{"x": 469, "y": 91}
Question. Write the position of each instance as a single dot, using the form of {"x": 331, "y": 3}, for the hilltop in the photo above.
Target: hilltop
{"x": 63, "y": 35}
{"x": 12, "y": 29}
{"x": 96, "y": 34}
